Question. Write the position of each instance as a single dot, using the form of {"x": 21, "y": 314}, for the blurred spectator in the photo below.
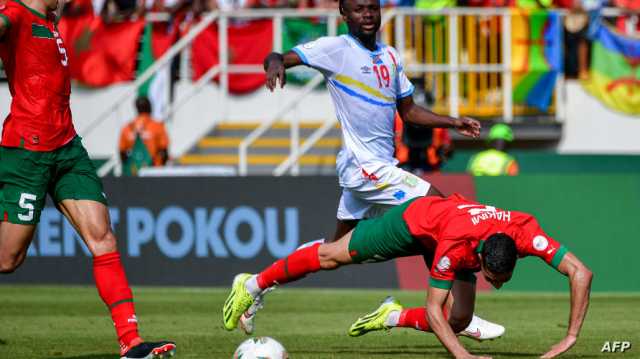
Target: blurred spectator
{"x": 144, "y": 141}
{"x": 495, "y": 161}
{"x": 421, "y": 149}
{"x": 576, "y": 44}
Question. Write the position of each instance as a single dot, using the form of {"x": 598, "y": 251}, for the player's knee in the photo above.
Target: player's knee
{"x": 459, "y": 323}
{"x": 101, "y": 241}
{"x": 9, "y": 264}
{"x": 327, "y": 257}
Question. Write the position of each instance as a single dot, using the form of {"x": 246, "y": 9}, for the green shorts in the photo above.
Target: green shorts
{"x": 387, "y": 237}
{"x": 27, "y": 176}
{"x": 383, "y": 238}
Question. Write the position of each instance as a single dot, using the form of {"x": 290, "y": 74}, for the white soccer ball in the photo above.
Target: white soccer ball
{"x": 261, "y": 348}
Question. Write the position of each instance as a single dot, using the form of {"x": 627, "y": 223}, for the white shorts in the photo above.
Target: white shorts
{"x": 391, "y": 187}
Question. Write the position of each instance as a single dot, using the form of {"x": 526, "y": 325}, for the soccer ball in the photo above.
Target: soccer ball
{"x": 261, "y": 348}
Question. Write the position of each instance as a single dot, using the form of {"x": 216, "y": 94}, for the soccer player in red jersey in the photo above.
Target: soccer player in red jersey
{"x": 41, "y": 153}
{"x": 459, "y": 237}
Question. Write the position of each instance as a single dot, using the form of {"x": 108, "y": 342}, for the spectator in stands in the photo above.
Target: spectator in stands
{"x": 143, "y": 141}
{"x": 495, "y": 161}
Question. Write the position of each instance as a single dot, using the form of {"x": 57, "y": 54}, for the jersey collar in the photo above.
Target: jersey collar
{"x": 357, "y": 42}
{"x": 480, "y": 246}
{"x": 33, "y": 11}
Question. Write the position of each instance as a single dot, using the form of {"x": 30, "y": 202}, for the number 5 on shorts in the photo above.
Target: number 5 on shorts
{"x": 24, "y": 197}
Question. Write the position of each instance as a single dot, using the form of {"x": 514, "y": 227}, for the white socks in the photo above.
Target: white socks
{"x": 252, "y": 285}
{"x": 393, "y": 319}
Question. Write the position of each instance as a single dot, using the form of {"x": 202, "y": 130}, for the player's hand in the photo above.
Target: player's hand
{"x": 468, "y": 127}
{"x": 561, "y": 347}
{"x": 275, "y": 72}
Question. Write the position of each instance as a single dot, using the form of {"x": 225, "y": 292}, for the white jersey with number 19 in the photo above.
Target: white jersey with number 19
{"x": 364, "y": 86}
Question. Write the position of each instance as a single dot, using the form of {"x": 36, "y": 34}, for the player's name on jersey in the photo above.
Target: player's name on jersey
{"x": 176, "y": 232}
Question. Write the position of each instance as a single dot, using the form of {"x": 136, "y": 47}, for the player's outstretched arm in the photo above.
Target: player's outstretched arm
{"x": 440, "y": 326}
{"x": 275, "y": 65}
{"x": 417, "y": 115}
{"x": 580, "y": 282}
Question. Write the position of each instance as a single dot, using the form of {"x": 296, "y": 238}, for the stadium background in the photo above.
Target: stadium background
{"x": 578, "y": 154}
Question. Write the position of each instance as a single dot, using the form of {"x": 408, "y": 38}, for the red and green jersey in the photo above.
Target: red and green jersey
{"x": 455, "y": 229}
{"x": 36, "y": 65}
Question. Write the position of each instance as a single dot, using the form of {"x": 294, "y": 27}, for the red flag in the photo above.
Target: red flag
{"x": 249, "y": 44}
{"x": 101, "y": 54}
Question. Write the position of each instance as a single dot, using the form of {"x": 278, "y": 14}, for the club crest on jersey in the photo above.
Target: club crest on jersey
{"x": 443, "y": 264}
{"x": 376, "y": 59}
{"x": 365, "y": 69}
{"x": 540, "y": 243}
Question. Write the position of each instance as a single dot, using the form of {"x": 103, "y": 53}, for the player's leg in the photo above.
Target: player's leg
{"x": 343, "y": 226}
{"x": 373, "y": 240}
{"x": 391, "y": 314}
{"x": 350, "y": 210}
{"x": 246, "y": 288}
{"x": 458, "y": 310}
{"x": 24, "y": 178}
{"x": 78, "y": 194}
{"x": 14, "y": 242}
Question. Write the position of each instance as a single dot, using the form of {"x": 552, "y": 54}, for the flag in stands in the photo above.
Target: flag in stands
{"x": 249, "y": 44}
{"x": 100, "y": 54}
{"x": 536, "y": 56}
{"x": 156, "y": 40}
{"x": 615, "y": 70}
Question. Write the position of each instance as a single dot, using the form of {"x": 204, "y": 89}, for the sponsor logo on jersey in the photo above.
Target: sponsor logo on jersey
{"x": 540, "y": 243}
{"x": 411, "y": 180}
{"x": 365, "y": 69}
{"x": 443, "y": 264}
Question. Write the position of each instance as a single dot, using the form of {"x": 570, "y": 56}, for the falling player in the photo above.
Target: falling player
{"x": 41, "y": 153}
{"x": 460, "y": 237}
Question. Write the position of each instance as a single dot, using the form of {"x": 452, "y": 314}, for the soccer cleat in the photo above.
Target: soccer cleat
{"x": 480, "y": 329}
{"x": 238, "y": 301}
{"x": 247, "y": 318}
{"x": 151, "y": 350}
{"x": 376, "y": 320}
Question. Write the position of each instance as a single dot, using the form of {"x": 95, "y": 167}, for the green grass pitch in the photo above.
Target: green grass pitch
{"x": 71, "y": 322}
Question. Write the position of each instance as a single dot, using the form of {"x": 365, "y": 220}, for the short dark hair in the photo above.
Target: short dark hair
{"x": 143, "y": 105}
{"x": 499, "y": 253}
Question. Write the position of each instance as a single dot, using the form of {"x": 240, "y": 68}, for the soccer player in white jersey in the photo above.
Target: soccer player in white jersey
{"x": 368, "y": 84}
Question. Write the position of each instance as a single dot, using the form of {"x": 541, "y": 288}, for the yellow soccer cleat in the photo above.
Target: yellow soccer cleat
{"x": 238, "y": 301}
{"x": 376, "y": 320}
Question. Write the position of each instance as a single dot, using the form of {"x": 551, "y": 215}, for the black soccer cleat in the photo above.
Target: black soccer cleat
{"x": 151, "y": 350}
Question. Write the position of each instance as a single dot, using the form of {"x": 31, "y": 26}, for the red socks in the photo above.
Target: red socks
{"x": 295, "y": 266}
{"x": 416, "y": 318}
{"x": 115, "y": 293}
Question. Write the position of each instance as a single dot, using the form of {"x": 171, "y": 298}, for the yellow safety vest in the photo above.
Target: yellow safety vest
{"x": 490, "y": 163}
{"x": 533, "y": 4}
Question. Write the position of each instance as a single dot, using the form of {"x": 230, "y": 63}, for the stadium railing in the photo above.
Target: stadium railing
{"x": 473, "y": 77}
